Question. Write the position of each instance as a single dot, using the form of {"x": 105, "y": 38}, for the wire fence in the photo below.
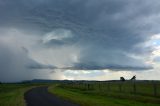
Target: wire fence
{"x": 145, "y": 88}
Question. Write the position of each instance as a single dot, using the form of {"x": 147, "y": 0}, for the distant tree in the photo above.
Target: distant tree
{"x": 0, "y": 82}
{"x": 25, "y": 82}
{"x": 122, "y": 78}
{"x": 133, "y": 78}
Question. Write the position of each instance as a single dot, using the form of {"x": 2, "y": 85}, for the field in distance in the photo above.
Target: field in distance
{"x": 113, "y": 93}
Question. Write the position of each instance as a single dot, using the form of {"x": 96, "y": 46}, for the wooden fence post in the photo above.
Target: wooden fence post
{"x": 155, "y": 88}
{"x": 88, "y": 87}
{"x": 134, "y": 87}
{"x": 120, "y": 87}
{"x": 99, "y": 86}
{"x": 108, "y": 86}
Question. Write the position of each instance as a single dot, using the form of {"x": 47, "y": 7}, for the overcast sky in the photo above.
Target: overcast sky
{"x": 79, "y": 39}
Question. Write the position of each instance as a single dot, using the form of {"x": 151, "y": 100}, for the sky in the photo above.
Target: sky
{"x": 79, "y": 39}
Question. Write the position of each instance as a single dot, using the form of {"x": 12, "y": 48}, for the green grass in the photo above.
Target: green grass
{"x": 94, "y": 97}
{"x": 13, "y": 94}
{"x": 97, "y": 94}
{"x": 142, "y": 88}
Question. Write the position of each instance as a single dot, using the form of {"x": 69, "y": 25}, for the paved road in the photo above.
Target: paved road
{"x": 41, "y": 97}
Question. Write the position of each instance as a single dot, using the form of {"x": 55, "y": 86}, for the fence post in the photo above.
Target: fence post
{"x": 134, "y": 87}
{"x": 108, "y": 86}
{"x": 84, "y": 87}
{"x": 120, "y": 87}
{"x": 88, "y": 87}
{"x": 155, "y": 88}
{"x": 99, "y": 86}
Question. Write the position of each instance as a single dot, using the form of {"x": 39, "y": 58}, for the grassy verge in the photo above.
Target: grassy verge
{"x": 13, "y": 94}
{"x": 88, "y": 98}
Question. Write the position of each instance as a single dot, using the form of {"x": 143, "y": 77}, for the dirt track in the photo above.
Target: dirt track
{"x": 41, "y": 97}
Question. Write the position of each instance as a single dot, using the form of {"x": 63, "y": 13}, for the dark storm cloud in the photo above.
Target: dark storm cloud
{"x": 40, "y": 66}
{"x": 107, "y": 32}
{"x": 11, "y": 64}
{"x": 111, "y": 67}
{"x": 15, "y": 64}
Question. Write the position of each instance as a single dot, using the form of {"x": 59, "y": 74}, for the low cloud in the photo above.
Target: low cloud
{"x": 15, "y": 62}
{"x": 110, "y": 67}
{"x": 41, "y": 66}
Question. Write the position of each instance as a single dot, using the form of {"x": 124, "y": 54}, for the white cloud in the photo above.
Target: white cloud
{"x": 57, "y": 34}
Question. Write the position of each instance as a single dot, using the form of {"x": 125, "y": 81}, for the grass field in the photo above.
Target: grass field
{"x": 13, "y": 94}
{"x": 89, "y": 93}
{"x": 110, "y": 94}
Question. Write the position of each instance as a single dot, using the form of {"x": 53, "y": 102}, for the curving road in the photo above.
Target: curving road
{"x": 41, "y": 97}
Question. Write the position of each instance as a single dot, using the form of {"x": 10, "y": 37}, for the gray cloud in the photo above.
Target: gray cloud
{"x": 41, "y": 66}
{"x": 114, "y": 67}
{"x": 107, "y": 34}
{"x": 11, "y": 64}
{"x": 16, "y": 65}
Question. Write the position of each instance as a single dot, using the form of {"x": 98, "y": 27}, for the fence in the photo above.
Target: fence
{"x": 146, "y": 88}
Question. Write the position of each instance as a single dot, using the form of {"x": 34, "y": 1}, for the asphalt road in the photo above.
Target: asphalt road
{"x": 41, "y": 97}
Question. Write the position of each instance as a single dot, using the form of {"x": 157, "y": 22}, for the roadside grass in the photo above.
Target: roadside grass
{"x": 13, "y": 94}
{"x": 144, "y": 88}
{"x": 97, "y": 94}
{"x": 96, "y": 98}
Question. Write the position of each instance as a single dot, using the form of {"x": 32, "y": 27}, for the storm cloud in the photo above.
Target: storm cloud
{"x": 77, "y": 35}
